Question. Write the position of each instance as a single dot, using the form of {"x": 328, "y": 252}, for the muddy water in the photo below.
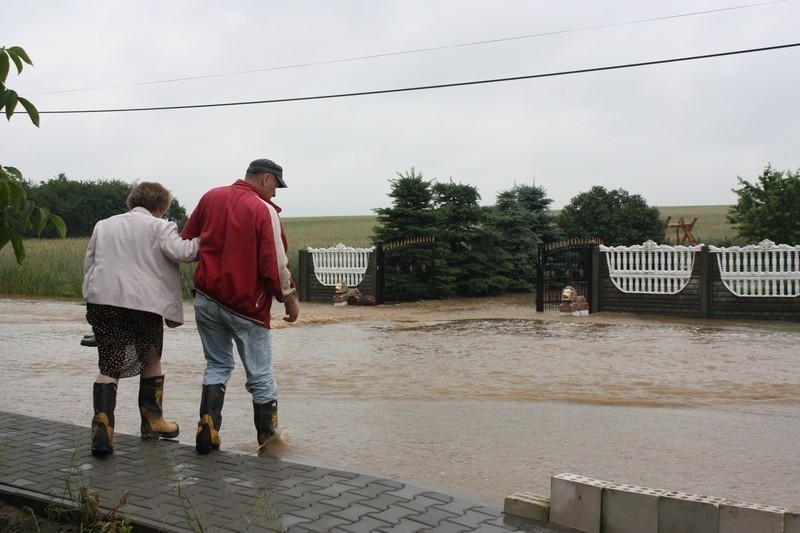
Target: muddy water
{"x": 482, "y": 397}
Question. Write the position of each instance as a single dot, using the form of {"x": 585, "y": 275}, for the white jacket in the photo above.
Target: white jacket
{"x": 132, "y": 262}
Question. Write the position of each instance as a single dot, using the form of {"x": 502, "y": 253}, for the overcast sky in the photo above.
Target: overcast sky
{"x": 677, "y": 133}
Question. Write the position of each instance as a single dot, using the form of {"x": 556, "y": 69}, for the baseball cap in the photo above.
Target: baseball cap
{"x": 259, "y": 166}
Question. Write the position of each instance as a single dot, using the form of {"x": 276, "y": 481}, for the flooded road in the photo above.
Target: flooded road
{"x": 482, "y": 397}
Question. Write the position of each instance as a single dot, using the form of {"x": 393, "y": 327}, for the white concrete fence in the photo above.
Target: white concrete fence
{"x": 763, "y": 270}
{"x": 650, "y": 268}
{"x": 340, "y": 263}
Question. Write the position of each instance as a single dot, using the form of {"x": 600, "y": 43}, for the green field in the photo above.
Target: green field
{"x": 54, "y": 268}
{"x": 711, "y": 227}
{"x": 324, "y": 232}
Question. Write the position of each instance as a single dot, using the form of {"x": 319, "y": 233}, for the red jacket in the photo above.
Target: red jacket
{"x": 243, "y": 262}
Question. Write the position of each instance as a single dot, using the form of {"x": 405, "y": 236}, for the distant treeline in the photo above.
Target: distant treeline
{"x": 83, "y": 203}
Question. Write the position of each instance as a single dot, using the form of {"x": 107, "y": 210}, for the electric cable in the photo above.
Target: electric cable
{"x": 428, "y": 87}
{"x": 416, "y": 51}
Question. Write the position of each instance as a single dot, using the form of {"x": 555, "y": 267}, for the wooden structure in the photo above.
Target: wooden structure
{"x": 683, "y": 231}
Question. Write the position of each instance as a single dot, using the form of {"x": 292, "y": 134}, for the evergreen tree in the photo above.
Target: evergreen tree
{"x": 536, "y": 204}
{"x": 411, "y": 214}
{"x": 522, "y": 218}
{"x": 472, "y": 246}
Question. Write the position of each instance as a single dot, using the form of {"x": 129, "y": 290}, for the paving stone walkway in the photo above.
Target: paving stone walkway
{"x": 172, "y": 488}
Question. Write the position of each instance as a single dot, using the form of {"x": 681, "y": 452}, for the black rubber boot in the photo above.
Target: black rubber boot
{"x": 266, "y": 419}
{"x": 105, "y": 401}
{"x": 210, "y": 418}
{"x": 151, "y": 396}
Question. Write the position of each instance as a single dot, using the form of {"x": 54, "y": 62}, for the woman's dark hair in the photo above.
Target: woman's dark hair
{"x": 150, "y": 195}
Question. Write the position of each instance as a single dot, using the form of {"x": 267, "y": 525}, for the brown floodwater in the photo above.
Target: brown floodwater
{"x": 481, "y": 397}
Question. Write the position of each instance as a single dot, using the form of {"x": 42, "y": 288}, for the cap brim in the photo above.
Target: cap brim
{"x": 281, "y": 183}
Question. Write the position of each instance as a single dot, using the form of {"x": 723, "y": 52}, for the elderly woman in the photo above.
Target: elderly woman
{"x": 132, "y": 286}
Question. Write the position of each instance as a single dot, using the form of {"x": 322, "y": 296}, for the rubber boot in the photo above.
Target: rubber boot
{"x": 105, "y": 401}
{"x": 210, "y": 418}
{"x": 151, "y": 396}
{"x": 266, "y": 419}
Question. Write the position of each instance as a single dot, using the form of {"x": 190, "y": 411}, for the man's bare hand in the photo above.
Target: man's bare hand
{"x": 292, "y": 309}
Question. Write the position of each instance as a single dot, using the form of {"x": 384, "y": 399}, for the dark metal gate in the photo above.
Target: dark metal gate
{"x": 561, "y": 264}
{"x": 406, "y": 270}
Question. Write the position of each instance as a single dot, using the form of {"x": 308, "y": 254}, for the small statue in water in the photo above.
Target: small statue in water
{"x": 573, "y": 303}
{"x": 344, "y": 295}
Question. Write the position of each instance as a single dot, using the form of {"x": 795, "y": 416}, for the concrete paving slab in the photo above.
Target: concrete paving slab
{"x": 171, "y": 488}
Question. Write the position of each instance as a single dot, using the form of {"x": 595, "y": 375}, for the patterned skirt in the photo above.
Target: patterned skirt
{"x": 126, "y": 339}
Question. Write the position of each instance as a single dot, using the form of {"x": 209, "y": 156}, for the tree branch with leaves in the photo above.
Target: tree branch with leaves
{"x": 17, "y": 213}
{"x": 767, "y": 207}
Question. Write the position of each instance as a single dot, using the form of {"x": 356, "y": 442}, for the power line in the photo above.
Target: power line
{"x": 430, "y": 87}
{"x": 416, "y": 51}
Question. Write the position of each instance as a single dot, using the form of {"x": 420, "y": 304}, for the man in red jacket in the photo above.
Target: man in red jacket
{"x": 243, "y": 266}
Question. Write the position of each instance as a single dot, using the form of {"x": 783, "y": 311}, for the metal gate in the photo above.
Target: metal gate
{"x": 406, "y": 270}
{"x": 561, "y": 264}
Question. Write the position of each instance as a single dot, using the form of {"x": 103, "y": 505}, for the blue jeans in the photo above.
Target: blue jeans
{"x": 219, "y": 329}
